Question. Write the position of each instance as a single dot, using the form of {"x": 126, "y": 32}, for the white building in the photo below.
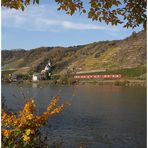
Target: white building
{"x": 42, "y": 75}
{"x": 48, "y": 66}
{"x": 13, "y": 77}
{"x": 36, "y": 77}
{"x": 49, "y": 63}
{"x": 43, "y": 71}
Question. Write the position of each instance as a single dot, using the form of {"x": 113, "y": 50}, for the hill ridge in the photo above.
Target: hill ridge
{"x": 116, "y": 54}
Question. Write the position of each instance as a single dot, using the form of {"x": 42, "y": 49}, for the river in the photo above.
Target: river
{"x": 98, "y": 117}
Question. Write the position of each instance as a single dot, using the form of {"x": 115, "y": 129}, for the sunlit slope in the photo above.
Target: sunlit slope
{"x": 128, "y": 53}
{"x": 110, "y": 55}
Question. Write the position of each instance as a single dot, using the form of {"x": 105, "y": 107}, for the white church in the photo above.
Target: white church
{"x": 48, "y": 68}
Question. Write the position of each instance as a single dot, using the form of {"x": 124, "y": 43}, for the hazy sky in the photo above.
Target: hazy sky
{"x": 42, "y": 25}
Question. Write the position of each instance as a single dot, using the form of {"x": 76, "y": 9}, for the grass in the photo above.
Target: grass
{"x": 105, "y": 60}
{"x": 133, "y": 72}
{"x": 14, "y": 64}
{"x": 6, "y": 72}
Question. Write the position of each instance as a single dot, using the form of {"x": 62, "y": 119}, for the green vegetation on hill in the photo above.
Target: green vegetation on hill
{"x": 132, "y": 72}
{"x": 126, "y": 73}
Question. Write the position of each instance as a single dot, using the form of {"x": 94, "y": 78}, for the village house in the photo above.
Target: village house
{"x": 36, "y": 77}
{"x": 13, "y": 77}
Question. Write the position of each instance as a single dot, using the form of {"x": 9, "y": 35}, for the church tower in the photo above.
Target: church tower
{"x": 49, "y": 63}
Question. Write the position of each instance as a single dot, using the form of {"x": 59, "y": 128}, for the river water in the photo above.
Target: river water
{"x": 99, "y": 116}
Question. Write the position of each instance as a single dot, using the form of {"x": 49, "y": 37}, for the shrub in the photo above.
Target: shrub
{"x": 121, "y": 83}
{"x": 71, "y": 81}
{"x": 22, "y": 129}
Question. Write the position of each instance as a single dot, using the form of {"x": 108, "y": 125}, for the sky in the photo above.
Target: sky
{"x": 42, "y": 25}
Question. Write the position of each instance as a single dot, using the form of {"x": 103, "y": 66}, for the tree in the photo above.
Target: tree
{"x": 130, "y": 13}
{"x": 47, "y": 77}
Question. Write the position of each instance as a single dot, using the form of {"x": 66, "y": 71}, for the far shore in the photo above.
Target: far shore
{"x": 119, "y": 82}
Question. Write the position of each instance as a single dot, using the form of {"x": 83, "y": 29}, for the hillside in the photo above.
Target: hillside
{"x": 110, "y": 55}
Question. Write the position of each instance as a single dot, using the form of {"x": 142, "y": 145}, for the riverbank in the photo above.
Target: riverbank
{"x": 141, "y": 83}
{"x": 121, "y": 82}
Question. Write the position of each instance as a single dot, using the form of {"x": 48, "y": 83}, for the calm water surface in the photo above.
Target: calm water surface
{"x": 99, "y": 116}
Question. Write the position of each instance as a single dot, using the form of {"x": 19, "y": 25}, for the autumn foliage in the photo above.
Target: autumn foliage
{"x": 130, "y": 13}
{"x": 23, "y": 127}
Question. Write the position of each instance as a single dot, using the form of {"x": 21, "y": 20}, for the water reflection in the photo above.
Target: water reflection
{"x": 34, "y": 85}
{"x": 99, "y": 116}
